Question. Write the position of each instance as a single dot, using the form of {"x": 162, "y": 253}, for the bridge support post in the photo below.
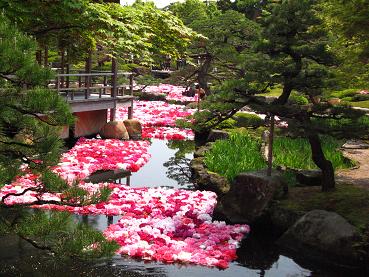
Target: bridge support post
{"x": 114, "y": 69}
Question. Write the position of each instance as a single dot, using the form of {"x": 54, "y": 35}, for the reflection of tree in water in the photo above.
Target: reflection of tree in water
{"x": 179, "y": 165}
{"x": 258, "y": 251}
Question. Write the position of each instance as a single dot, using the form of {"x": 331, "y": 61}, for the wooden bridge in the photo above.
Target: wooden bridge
{"x": 91, "y": 95}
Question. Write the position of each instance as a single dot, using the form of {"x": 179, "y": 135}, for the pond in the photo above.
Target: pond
{"x": 168, "y": 167}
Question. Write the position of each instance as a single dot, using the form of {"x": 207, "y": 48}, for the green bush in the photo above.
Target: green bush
{"x": 298, "y": 99}
{"x": 248, "y": 120}
{"x": 229, "y": 123}
{"x": 347, "y": 99}
{"x": 360, "y": 97}
{"x": 240, "y": 153}
{"x": 343, "y": 93}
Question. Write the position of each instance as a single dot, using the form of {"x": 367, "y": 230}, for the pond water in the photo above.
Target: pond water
{"x": 168, "y": 167}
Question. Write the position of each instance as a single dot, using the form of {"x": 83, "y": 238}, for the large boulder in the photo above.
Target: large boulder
{"x": 217, "y": 134}
{"x": 134, "y": 128}
{"x": 206, "y": 180}
{"x": 309, "y": 177}
{"x": 325, "y": 236}
{"x": 201, "y": 151}
{"x": 249, "y": 196}
{"x": 114, "y": 130}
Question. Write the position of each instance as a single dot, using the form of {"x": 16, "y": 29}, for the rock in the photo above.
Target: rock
{"x": 191, "y": 105}
{"x": 217, "y": 134}
{"x": 114, "y": 130}
{"x": 200, "y": 152}
{"x": 134, "y": 128}
{"x": 249, "y": 195}
{"x": 334, "y": 101}
{"x": 355, "y": 144}
{"x": 23, "y": 137}
{"x": 309, "y": 177}
{"x": 282, "y": 218}
{"x": 206, "y": 180}
{"x": 325, "y": 236}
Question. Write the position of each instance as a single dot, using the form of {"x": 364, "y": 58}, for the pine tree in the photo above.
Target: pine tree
{"x": 293, "y": 52}
{"x": 30, "y": 120}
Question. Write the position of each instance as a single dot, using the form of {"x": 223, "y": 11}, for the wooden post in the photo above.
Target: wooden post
{"x": 110, "y": 220}
{"x": 131, "y": 84}
{"x": 88, "y": 77}
{"x": 62, "y": 65}
{"x": 105, "y": 84}
{"x": 114, "y": 70}
{"x": 67, "y": 71}
{"x": 270, "y": 146}
{"x": 46, "y": 56}
{"x": 130, "y": 111}
{"x": 57, "y": 84}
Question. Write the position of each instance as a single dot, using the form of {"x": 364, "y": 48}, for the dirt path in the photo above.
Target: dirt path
{"x": 358, "y": 175}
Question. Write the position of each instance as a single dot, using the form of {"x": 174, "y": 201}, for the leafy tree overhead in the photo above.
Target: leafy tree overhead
{"x": 347, "y": 22}
{"x": 31, "y": 117}
{"x": 78, "y": 26}
{"x": 228, "y": 37}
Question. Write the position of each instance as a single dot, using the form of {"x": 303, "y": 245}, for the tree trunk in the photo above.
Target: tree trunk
{"x": 328, "y": 182}
{"x": 38, "y": 56}
{"x": 283, "y": 98}
{"x": 203, "y": 74}
{"x": 62, "y": 66}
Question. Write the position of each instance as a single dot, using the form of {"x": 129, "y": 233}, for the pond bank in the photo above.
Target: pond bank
{"x": 282, "y": 213}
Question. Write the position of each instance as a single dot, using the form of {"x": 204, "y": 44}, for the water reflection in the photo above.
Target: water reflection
{"x": 178, "y": 167}
{"x": 167, "y": 167}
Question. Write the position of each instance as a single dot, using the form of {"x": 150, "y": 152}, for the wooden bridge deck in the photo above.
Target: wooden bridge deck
{"x": 95, "y": 91}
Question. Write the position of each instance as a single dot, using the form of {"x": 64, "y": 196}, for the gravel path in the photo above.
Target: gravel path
{"x": 358, "y": 175}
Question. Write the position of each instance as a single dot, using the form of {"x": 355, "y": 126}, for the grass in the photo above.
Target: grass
{"x": 349, "y": 201}
{"x": 296, "y": 153}
{"x": 275, "y": 92}
{"x": 361, "y": 104}
{"x": 241, "y": 153}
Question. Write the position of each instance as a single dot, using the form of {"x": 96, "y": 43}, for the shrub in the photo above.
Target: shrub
{"x": 248, "y": 120}
{"x": 360, "y": 97}
{"x": 298, "y": 99}
{"x": 347, "y": 99}
{"x": 343, "y": 93}
{"x": 229, "y": 123}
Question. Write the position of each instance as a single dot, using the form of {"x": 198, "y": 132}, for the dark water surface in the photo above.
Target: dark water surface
{"x": 168, "y": 167}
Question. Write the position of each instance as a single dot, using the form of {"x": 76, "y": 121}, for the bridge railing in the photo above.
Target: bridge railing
{"x": 78, "y": 86}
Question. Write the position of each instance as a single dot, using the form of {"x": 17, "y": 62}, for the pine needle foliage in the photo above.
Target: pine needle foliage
{"x": 31, "y": 117}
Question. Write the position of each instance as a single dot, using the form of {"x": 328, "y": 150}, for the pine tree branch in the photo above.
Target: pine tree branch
{"x": 25, "y": 112}
{"x": 36, "y": 189}
{"x": 35, "y": 244}
{"x": 29, "y": 240}
{"x": 16, "y": 143}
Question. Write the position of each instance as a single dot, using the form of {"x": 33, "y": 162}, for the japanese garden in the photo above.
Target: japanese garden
{"x": 184, "y": 138}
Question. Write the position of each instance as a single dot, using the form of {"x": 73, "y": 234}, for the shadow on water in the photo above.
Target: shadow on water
{"x": 257, "y": 256}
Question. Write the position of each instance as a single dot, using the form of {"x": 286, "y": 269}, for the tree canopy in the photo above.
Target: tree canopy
{"x": 293, "y": 50}
{"x": 77, "y": 26}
